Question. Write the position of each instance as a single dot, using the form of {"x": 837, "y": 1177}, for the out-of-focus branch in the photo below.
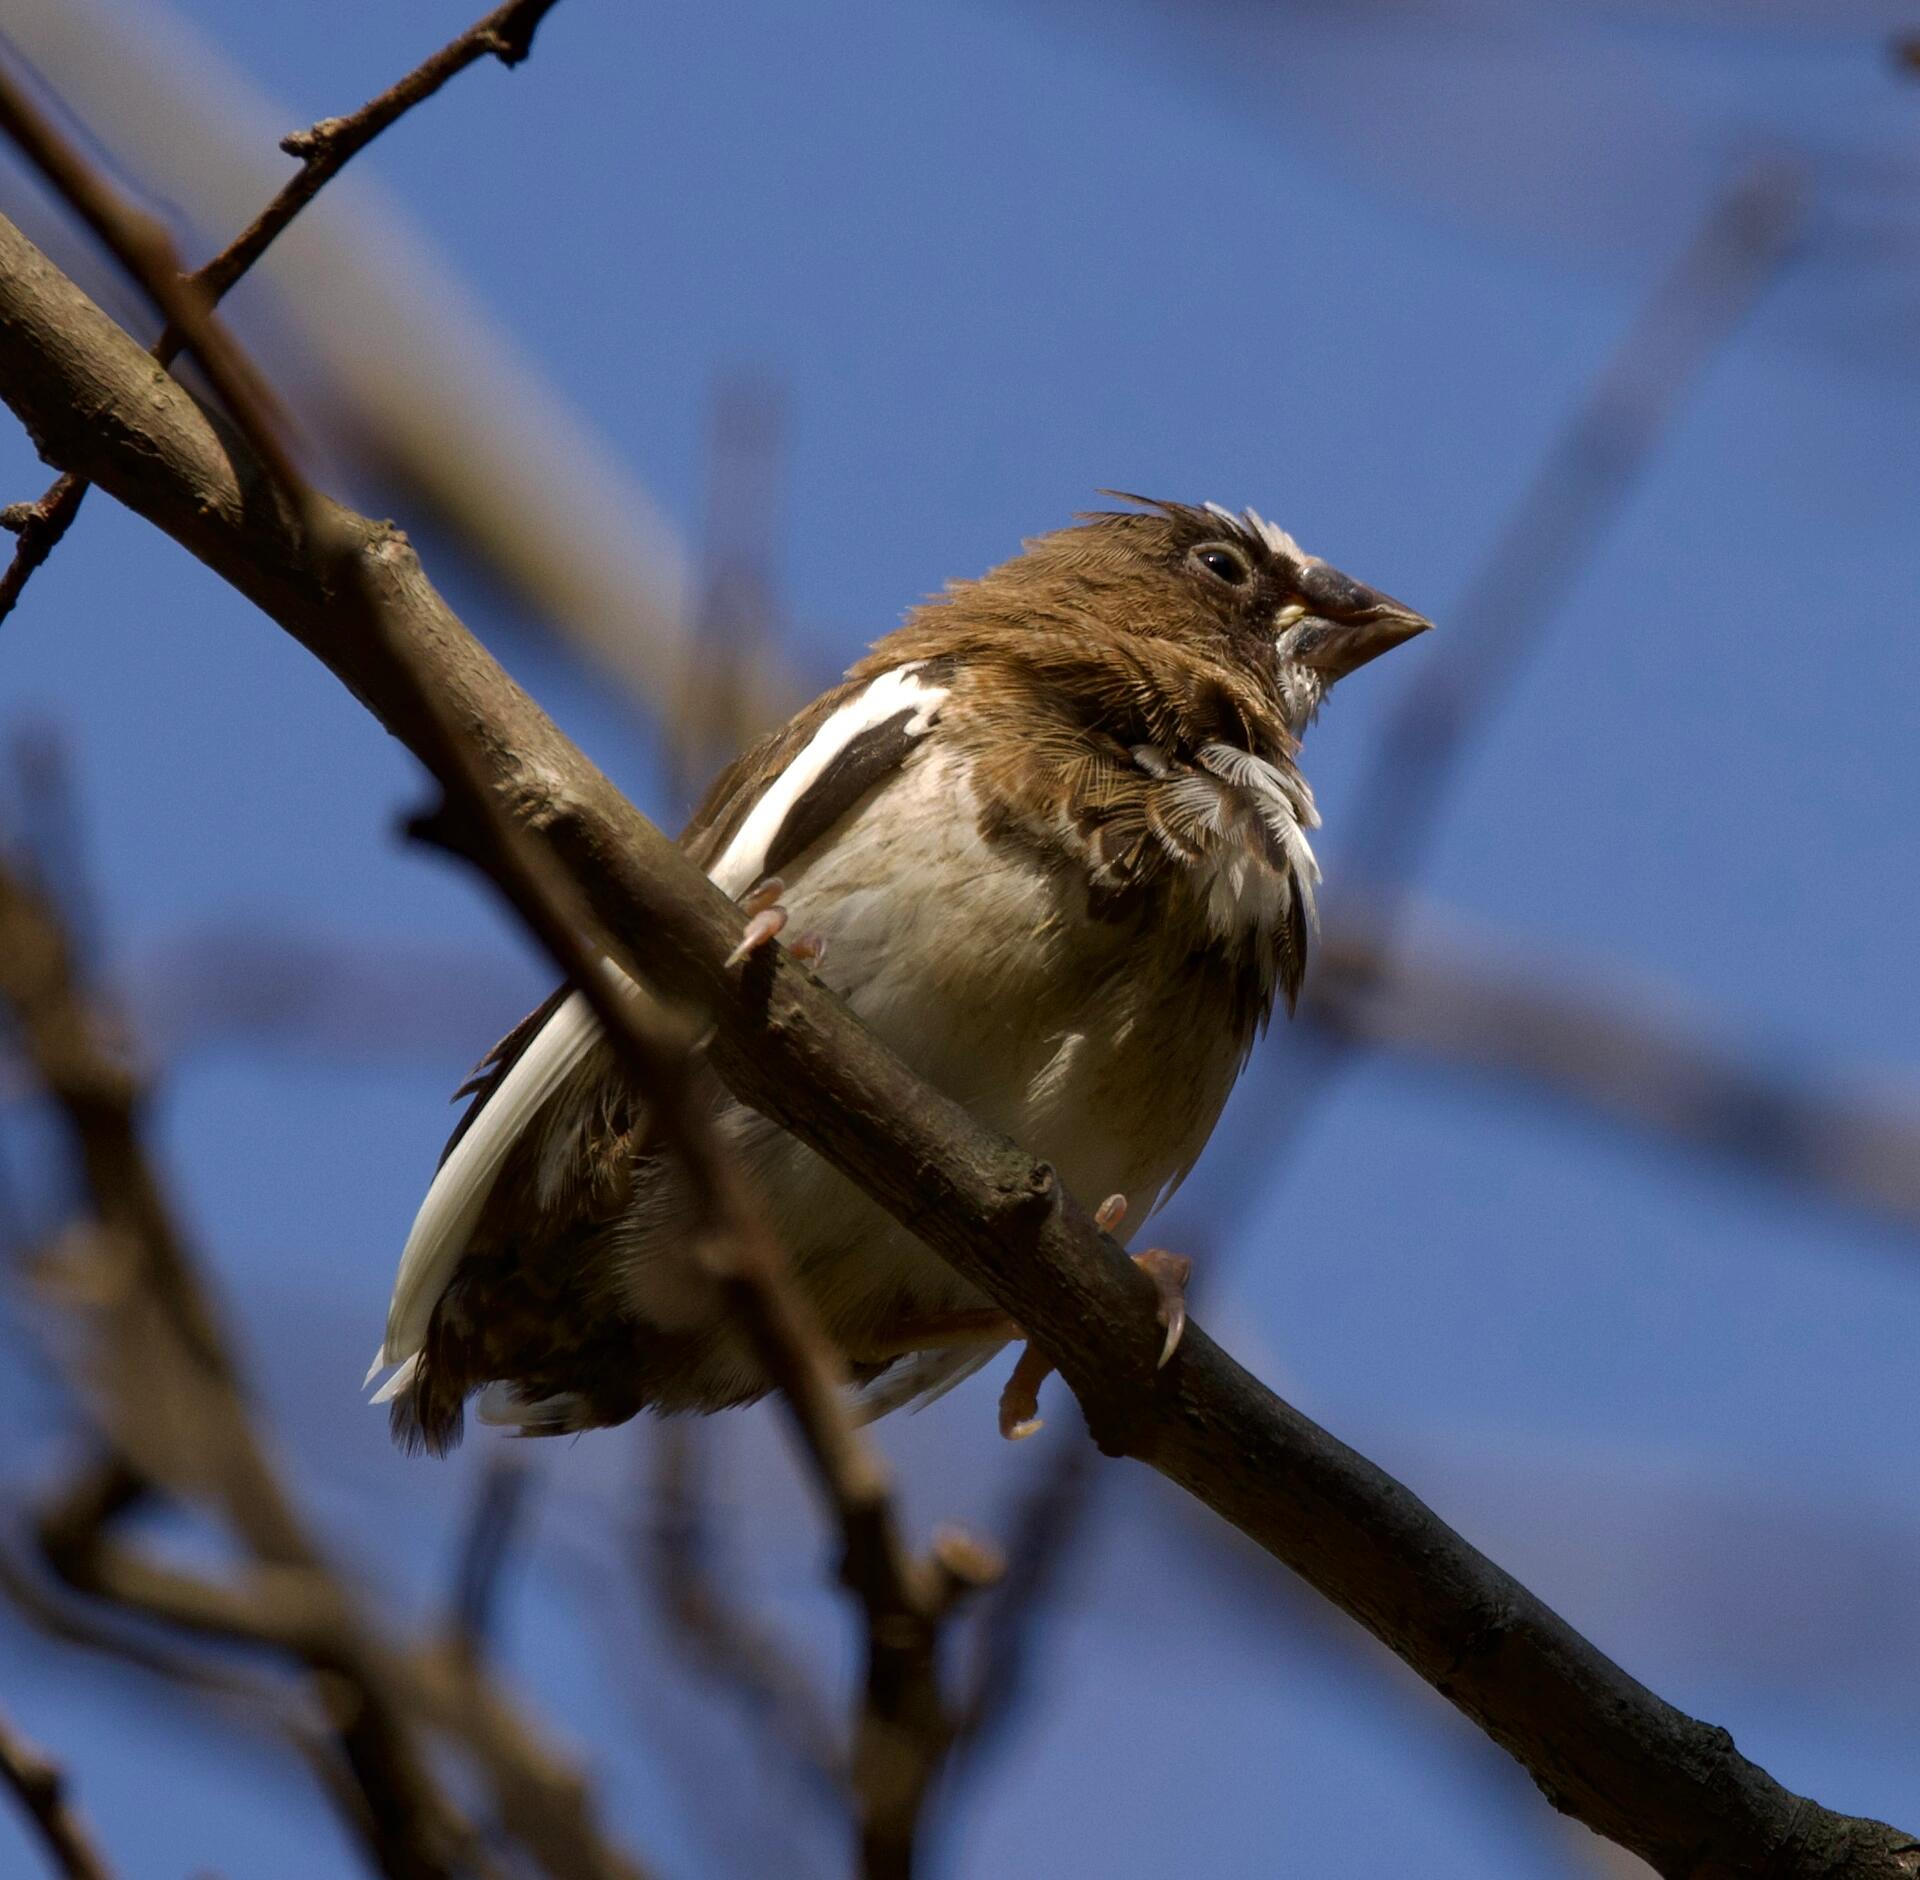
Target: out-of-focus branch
{"x": 1595, "y": 462}
{"x": 675, "y": 1558}
{"x": 40, "y": 1785}
{"x": 723, "y": 694}
{"x": 1483, "y": 1009}
{"x": 1601, "y": 1745}
{"x": 1039, "y": 1553}
{"x": 177, "y": 1420}
{"x": 324, "y": 149}
{"x": 171, "y": 1400}
{"x": 499, "y": 1511}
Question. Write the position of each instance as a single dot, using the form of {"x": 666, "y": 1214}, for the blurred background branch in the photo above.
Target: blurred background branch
{"x": 40, "y": 1787}
{"x": 173, "y": 1422}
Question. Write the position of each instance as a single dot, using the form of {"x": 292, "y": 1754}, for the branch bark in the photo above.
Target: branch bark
{"x": 1600, "y": 1745}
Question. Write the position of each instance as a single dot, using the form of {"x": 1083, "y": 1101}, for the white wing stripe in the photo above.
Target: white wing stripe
{"x": 744, "y": 861}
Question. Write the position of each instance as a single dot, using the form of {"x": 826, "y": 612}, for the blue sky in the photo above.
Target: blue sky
{"x": 1000, "y": 257}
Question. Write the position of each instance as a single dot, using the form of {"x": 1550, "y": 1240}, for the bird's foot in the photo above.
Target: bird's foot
{"x": 1020, "y": 1398}
{"x": 765, "y": 918}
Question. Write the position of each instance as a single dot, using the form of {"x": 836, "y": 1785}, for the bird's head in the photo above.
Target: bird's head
{"x": 1235, "y": 586}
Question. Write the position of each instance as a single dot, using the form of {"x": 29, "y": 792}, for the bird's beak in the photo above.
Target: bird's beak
{"x": 1348, "y": 624}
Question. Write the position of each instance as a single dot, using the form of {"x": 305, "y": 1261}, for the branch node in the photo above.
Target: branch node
{"x": 310, "y": 145}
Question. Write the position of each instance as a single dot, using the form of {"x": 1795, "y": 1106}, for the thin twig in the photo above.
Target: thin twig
{"x": 41, "y": 1787}
{"x": 674, "y": 1555}
{"x": 499, "y": 1513}
{"x": 324, "y": 150}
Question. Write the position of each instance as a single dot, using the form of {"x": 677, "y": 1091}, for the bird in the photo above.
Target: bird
{"x": 1051, "y": 842}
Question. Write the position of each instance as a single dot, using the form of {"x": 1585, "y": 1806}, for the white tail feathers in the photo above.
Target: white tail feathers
{"x": 452, "y": 1206}
{"x": 397, "y": 1382}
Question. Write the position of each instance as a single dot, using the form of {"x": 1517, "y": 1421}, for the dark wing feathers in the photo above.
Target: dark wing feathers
{"x": 732, "y": 795}
{"x": 862, "y": 764}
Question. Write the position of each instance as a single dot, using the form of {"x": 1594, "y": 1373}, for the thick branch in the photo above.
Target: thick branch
{"x": 1600, "y": 1745}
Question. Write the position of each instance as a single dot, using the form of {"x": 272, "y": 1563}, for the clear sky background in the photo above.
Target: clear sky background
{"x": 1354, "y": 267}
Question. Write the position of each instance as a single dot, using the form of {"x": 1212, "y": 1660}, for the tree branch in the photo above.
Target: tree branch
{"x": 674, "y": 1557}
{"x": 324, "y": 150}
{"x": 1478, "y": 1004}
{"x": 1600, "y": 1745}
{"x": 177, "y": 1418}
{"x": 41, "y": 1787}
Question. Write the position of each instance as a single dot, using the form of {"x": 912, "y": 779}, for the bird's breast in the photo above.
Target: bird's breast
{"x": 1105, "y": 1046}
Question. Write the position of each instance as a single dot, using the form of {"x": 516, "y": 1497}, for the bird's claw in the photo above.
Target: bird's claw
{"x": 810, "y": 949}
{"x": 1110, "y": 1213}
{"x": 765, "y": 918}
{"x": 1170, "y": 1273}
{"x": 762, "y": 895}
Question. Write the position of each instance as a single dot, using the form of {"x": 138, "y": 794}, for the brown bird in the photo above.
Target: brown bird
{"x": 1049, "y": 841}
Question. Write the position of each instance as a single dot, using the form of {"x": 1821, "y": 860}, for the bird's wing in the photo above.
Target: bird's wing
{"x": 762, "y": 814}
{"x": 786, "y": 793}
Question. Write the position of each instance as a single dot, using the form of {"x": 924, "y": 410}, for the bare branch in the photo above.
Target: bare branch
{"x": 178, "y": 1419}
{"x": 675, "y": 1557}
{"x": 1602, "y": 1746}
{"x": 324, "y": 150}
{"x": 41, "y": 1787}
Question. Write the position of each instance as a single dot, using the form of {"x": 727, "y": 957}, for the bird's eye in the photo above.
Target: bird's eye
{"x": 1224, "y": 562}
